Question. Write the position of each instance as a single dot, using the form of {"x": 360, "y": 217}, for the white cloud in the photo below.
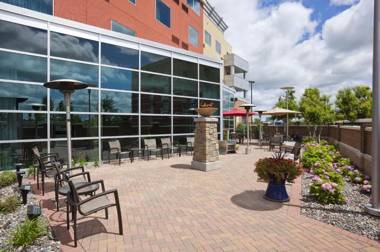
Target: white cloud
{"x": 273, "y": 41}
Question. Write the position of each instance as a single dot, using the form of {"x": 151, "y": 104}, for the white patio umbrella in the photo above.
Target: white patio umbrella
{"x": 281, "y": 112}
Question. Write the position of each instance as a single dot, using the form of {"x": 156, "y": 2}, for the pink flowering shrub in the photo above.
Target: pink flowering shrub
{"x": 327, "y": 192}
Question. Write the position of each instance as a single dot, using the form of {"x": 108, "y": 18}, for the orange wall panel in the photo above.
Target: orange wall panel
{"x": 140, "y": 17}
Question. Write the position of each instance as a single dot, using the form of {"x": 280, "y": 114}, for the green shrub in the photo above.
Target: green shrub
{"x": 309, "y": 140}
{"x": 10, "y": 204}
{"x": 7, "y": 178}
{"x": 27, "y": 232}
{"x": 317, "y": 153}
{"x": 31, "y": 171}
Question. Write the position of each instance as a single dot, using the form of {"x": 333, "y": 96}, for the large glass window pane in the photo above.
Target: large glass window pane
{"x": 155, "y": 83}
{"x": 120, "y": 56}
{"x": 184, "y": 106}
{"x": 14, "y": 66}
{"x": 11, "y": 153}
{"x": 185, "y": 69}
{"x": 66, "y": 46}
{"x": 155, "y": 104}
{"x": 181, "y": 139}
{"x": 208, "y": 90}
{"x": 228, "y": 100}
{"x": 44, "y": 6}
{"x": 117, "y": 27}
{"x": 84, "y": 100}
{"x": 155, "y": 125}
{"x": 125, "y": 144}
{"x": 119, "y": 125}
{"x": 185, "y": 87}
{"x": 208, "y": 73}
{"x": 23, "y": 38}
{"x": 117, "y": 102}
{"x": 218, "y": 47}
{"x": 155, "y": 63}
{"x": 83, "y": 150}
{"x": 208, "y": 38}
{"x": 163, "y": 13}
{"x": 60, "y": 69}
{"x": 214, "y": 104}
{"x": 183, "y": 125}
{"x": 193, "y": 36}
{"x": 14, "y": 126}
{"x": 81, "y": 125}
{"x": 17, "y": 96}
{"x": 120, "y": 79}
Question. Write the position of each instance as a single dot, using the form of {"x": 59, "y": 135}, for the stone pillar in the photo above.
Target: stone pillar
{"x": 206, "y": 145}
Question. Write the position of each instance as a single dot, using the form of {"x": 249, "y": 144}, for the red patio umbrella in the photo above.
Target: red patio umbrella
{"x": 237, "y": 112}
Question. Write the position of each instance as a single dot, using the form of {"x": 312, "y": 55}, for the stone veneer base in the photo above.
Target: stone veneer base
{"x": 210, "y": 166}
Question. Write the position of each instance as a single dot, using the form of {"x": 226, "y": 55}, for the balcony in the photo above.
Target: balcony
{"x": 241, "y": 65}
{"x": 237, "y": 82}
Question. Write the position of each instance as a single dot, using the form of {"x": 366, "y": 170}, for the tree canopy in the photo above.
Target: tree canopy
{"x": 354, "y": 103}
{"x": 316, "y": 109}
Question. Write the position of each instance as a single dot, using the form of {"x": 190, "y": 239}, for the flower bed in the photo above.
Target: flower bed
{"x": 16, "y": 232}
{"x": 335, "y": 192}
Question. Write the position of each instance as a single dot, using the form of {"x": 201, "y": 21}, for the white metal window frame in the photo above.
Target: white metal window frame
{"x": 49, "y": 23}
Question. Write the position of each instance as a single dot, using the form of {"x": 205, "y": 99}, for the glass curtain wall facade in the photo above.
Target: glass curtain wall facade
{"x": 228, "y": 104}
{"x": 140, "y": 91}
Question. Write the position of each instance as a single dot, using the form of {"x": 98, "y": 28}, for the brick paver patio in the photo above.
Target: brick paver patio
{"x": 168, "y": 207}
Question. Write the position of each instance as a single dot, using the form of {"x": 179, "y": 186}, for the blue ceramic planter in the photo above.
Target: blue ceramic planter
{"x": 276, "y": 192}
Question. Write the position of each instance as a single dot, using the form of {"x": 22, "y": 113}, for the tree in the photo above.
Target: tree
{"x": 316, "y": 110}
{"x": 364, "y": 95}
{"x": 347, "y": 104}
{"x": 354, "y": 103}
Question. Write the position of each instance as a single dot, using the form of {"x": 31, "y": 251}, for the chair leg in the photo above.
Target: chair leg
{"x": 106, "y": 212}
{"x": 119, "y": 219}
{"x": 75, "y": 226}
{"x": 38, "y": 181}
{"x": 34, "y": 172}
{"x": 119, "y": 156}
{"x": 56, "y": 195}
{"x": 67, "y": 215}
{"x": 43, "y": 184}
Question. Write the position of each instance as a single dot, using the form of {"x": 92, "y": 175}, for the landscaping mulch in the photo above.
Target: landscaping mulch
{"x": 9, "y": 221}
{"x": 350, "y": 216}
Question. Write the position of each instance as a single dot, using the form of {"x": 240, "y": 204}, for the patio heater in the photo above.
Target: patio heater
{"x": 287, "y": 90}
{"x": 374, "y": 207}
{"x": 260, "y": 112}
{"x": 247, "y": 107}
{"x": 67, "y": 87}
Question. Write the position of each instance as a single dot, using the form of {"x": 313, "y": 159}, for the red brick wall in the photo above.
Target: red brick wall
{"x": 140, "y": 17}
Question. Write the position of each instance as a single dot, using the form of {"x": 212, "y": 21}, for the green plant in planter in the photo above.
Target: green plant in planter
{"x": 277, "y": 169}
{"x": 27, "y": 232}
{"x": 7, "y": 178}
{"x": 9, "y": 204}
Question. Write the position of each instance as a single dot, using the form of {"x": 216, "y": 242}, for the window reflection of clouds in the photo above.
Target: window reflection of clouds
{"x": 119, "y": 79}
{"x": 71, "y": 47}
{"x": 119, "y": 102}
{"x": 85, "y": 100}
{"x": 71, "y": 70}
{"x": 22, "y": 38}
{"x": 120, "y": 56}
{"x": 22, "y": 67}
{"x": 13, "y": 95}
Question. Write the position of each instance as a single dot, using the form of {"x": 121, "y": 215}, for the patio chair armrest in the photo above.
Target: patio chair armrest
{"x": 87, "y": 174}
{"x": 81, "y": 168}
{"x": 49, "y": 155}
{"x": 165, "y": 144}
{"x": 101, "y": 182}
{"x": 113, "y": 191}
{"x": 190, "y": 144}
{"x": 146, "y": 147}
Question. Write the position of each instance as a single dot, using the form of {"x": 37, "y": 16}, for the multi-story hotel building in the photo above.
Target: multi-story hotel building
{"x": 142, "y": 88}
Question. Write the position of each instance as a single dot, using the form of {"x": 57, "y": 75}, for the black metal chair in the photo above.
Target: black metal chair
{"x": 91, "y": 205}
{"x": 150, "y": 147}
{"x": 276, "y": 141}
{"x": 48, "y": 166}
{"x": 291, "y": 153}
{"x": 189, "y": 146}
{"x": 167, "y": 146}
{"x": 115, "y": 148}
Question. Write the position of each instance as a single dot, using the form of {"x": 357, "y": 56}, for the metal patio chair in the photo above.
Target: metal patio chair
{"x": 167, "y": 146}
{"x": 275, "y": 141}
{"x": 92, "y": 204}
{"x": 150, "y": 147}
{"x": 189, "y": 146}
{"x": 115, "y": 148}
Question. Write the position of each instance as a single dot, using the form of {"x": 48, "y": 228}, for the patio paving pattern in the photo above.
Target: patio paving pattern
{"x": 168, "y": 207}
